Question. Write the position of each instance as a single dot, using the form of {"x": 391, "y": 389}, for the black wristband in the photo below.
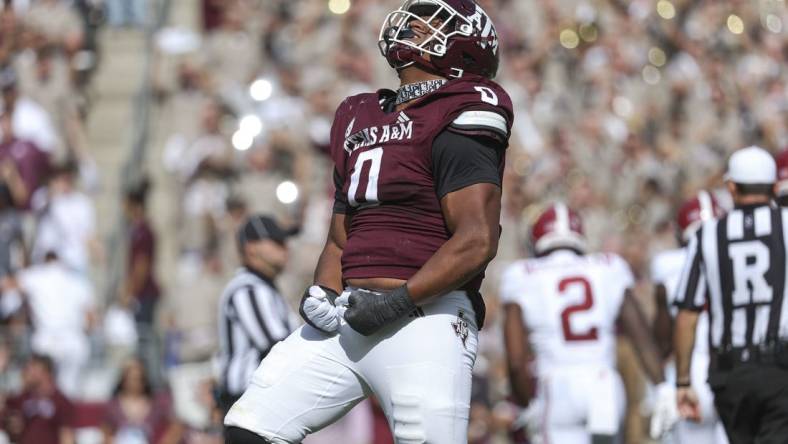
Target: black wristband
{"x": 683, "y": 384}
{"x": 331, "y": 294}
{"x": 400, "y": 302}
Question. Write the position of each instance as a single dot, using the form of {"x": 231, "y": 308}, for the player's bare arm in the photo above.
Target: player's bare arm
{"x": 663, "y": 323}
{"x": 519, "y": 355}
{"x": 684, "y": 341}
{"x": 472, "y": 215}
{"x": 633, "y": 322}
{"x": 317, "y": 306}
{"x": 328, "y": 272}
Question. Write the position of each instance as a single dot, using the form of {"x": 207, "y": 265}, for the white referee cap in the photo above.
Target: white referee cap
{"x": 751, "y": 166}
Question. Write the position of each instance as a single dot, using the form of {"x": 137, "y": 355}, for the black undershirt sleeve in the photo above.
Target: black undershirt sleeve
{"x": 340, "y": 199}
{"x": 459, "y": 161}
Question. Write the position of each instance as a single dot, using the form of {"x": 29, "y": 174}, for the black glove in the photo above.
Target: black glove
{"x": 369, "y": 311}
{"x": 318, "y": 310}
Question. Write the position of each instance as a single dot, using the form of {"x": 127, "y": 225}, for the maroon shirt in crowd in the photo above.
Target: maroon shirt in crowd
{"x": 32, "y": 163}
{"x": 143, "y": 245}
{"x": 43, "y": 417}
{"x": 212, "y": 13}
{"x": 385, "y": 180}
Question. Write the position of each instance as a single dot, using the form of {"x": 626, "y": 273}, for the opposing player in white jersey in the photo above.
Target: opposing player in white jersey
{"x": 563, "y": 307}
{"x": 666, "y": 270}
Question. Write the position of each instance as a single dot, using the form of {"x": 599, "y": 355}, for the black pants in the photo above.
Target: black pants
{"x": 225, "y": 401}
{"x": 752, "y": 401}
{"x": 235, "y": 435}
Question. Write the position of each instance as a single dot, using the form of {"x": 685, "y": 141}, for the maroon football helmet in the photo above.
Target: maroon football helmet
{"x": 694, "y": 212}
{"x": 558, "y": 227}
{"x": 463, "y": 38}
{"x": 782, "y": 174}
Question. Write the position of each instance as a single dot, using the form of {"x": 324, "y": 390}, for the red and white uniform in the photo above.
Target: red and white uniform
{"x": 570, "y": 304}
{"x": 782, "y": 173}
{"x": 666, "y": 269}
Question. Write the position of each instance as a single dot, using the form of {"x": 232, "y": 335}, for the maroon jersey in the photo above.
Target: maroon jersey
{"x": 385, "y": 176}
{"x": 42, "y": 416}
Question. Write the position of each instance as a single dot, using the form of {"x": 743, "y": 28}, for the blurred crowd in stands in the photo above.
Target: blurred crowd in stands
{"x": 623, "y": 109}
{"x": 46, "y": 177}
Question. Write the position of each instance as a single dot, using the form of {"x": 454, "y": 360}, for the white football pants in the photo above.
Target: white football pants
{"x": 575, "y": 402}
{"x": 419, "y": 369}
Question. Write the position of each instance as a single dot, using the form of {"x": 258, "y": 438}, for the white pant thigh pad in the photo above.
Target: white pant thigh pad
{"x": 421, "y": 372}
{"x": 589, "y": 397}
{"x": 419, "y": 369}
{"x": 299, "y": 388}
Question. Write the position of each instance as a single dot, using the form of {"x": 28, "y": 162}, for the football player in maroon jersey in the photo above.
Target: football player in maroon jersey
{"x": 418, "y": 176}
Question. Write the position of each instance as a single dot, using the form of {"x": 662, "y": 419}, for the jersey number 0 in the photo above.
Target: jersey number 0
{"x": 363, "y": 190}
{"x": 368, "y": 183}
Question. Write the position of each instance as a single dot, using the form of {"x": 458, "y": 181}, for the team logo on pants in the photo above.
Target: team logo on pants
{"x": 460, "y": 327}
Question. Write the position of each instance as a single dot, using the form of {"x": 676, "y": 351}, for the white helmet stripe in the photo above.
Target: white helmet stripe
{"x": 561, "y": 218}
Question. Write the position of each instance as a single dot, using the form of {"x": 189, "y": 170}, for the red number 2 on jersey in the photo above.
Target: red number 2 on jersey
{"x": 585, "y": 305}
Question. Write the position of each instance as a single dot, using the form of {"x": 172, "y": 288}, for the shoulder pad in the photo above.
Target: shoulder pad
{"x": 470, "y": 105}
{"x": 469, "y": 121}
{"x": 621, "y": 267}
{"x": 480, "y": 107}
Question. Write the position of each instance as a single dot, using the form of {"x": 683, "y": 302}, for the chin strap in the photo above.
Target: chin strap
{"x": 413, "y": 91}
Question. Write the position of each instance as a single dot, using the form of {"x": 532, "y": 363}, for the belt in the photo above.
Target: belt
{"x": 774, "y": 353}
{"x": 477, "y": 302}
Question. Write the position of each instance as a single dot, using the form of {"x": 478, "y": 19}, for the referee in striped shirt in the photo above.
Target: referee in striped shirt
{"x": 736, "y": 268}
{"x": 253, "y": 316}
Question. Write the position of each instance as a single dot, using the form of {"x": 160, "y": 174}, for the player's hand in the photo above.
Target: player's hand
{"x": 318, "y": 309}
{"x": 369, "y": 311}
{"x": 687, "y": 400}
{"x": 666, "y": 413}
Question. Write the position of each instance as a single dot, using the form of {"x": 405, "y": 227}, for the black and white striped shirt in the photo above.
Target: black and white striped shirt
{"x": 736, "y": 267}
{"x": 253, "y": 317}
